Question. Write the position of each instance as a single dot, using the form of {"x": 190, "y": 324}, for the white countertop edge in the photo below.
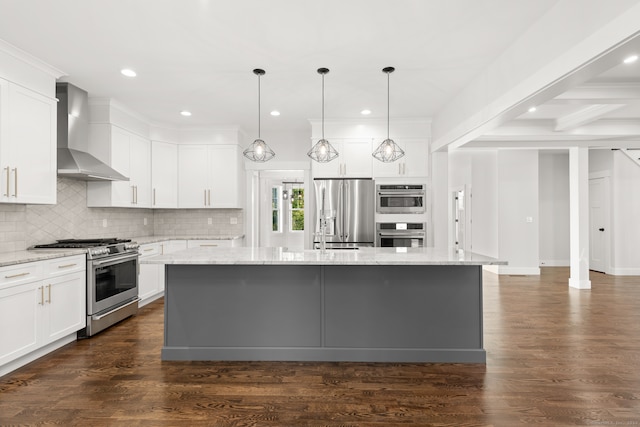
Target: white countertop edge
{"x": 22, "y": 257}
{"x": 282, "y": 256}
{"x": 144, "y": 240}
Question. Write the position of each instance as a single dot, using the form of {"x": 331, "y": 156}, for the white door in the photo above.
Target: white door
{"x": 140, "y": 166}
{"x": 193, "y": 173}
{"x": 459, "y": 220}
{"x": 65, "y": 299}
{"x": 598, "y": 224}
{"x": 224, "y": 177}
{"x": 164, "y": 175}
{"x": 121, "y": 191}
{"x": 32, "y": 158}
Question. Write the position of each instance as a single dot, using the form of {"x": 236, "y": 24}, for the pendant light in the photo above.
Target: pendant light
{"x": 259, "y": 151}
{"x": 323, "y": 151}
{"x": 388, "y": 151}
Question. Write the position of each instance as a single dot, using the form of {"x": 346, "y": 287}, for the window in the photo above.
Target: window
{"x": 297, "y": 209}
{"x": 275, "y": 210}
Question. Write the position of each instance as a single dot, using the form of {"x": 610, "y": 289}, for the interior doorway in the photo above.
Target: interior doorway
{"x": 282, "y": 214}
{"x": 599, "y": 224}
{"x": 459, "y": 219}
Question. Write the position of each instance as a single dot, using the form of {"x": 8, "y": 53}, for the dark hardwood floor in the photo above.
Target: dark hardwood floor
{"x": 556, "y": 357}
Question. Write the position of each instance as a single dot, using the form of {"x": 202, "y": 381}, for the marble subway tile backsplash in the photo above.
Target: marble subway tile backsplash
{"x": 22, "y": 226}
{"x": 198, "y": 222}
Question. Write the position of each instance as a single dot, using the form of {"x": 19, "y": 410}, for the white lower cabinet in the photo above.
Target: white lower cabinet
{"x": 151, "y": 278}
{"x": 39, "y": 306}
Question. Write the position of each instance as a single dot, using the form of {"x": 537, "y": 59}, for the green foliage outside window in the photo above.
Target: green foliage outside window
{"x": 297, "y": 209}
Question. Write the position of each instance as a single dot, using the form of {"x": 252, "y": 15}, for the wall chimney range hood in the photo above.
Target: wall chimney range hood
{"x": 73, "y": 134}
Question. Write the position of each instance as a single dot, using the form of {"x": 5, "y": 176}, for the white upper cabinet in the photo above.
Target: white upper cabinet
{"x": 354, "y": 160}
{"x": 412, "y": 164}
{"x": 164, "y": 175}
{"x": 128, "y": 154}
{"x": 209, "y": 176}
{"x": 27, "y": 146}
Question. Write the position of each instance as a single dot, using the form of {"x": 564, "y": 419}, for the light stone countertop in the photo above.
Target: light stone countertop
{"x": 284, "y": 256}
{"x": 21, "y": 257}
{"x": 155, "y": 239}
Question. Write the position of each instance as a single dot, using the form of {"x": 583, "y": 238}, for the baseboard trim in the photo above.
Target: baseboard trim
{"x": 624, "y": 271}
{"x": 527, "y": 271}
{"x": 555, "y": 263}
{"x": 36, "y": 354}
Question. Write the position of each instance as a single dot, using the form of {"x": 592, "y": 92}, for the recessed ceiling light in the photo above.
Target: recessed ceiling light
{"x": 275, "y": 113}
{"x": 532, "y": 109}
{"x": 185, "y": 113}
{"x": 630, "y": 59}
{"x": 128, "y": 72}
{"x": 365, "y": 112}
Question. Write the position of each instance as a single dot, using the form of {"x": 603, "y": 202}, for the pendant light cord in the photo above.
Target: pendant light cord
{"x": 388, "y": 105}
{"x": 258, "y": 106}
{"x": 323, "y": 106}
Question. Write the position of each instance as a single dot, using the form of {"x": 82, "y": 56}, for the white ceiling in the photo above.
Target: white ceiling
{"x": 199, "y": 54}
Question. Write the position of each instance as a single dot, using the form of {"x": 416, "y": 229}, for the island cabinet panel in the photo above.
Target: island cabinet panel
{"x": 242, "y": 307}
{"x": 403, "y": 307}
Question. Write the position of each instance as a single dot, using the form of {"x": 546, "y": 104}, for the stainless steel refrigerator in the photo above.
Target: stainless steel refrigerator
{"x": 349, "y": 206}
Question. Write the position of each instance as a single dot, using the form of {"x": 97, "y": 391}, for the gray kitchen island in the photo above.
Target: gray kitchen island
{"x": 369, "y": 305}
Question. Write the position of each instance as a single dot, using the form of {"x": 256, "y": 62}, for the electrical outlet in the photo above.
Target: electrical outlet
{"x": 104, "y": 223}
{"x": 529, "y": 219}
{"x": 233, "y": 220}
{"x": 209, "y": 221}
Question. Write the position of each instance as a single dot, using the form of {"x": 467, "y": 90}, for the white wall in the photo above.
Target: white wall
{"x": 518, "y": 239}
{"x": 625, "y": 215}
{"x": 476, "y": 172}
{"x": 554, "y": 208}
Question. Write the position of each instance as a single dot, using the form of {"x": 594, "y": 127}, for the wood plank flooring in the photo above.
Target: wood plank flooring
{"x": 556, "y": 357}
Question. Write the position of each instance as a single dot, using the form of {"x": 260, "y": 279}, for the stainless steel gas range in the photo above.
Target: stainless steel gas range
{"x": 112, "y": 280}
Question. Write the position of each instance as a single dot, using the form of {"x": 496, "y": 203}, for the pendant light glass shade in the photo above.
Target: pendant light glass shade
{"x": 388, "y": 151}
{"x": 323, "y": 151}
{"x": 258, "y": 150}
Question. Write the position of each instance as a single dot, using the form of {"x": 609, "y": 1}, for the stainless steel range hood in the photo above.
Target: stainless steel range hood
{"x": 73, "y": 133}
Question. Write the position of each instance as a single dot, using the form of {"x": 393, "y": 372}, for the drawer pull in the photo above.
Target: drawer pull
{"x": 147, "y": 250}
{"x": 67, "y": 265}
{"x": 41, "y": 295}
{"x": 211, "y": 245}
{"x": 17, "y": 275}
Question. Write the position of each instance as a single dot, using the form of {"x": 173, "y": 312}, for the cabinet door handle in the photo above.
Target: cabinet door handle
{"x": 205, "y": 197}
{"x": 41, "y": 295}
{"x": 67, "y": 265}
{"x": 17, "y": 275}
{"x": 161, "y": 248}
{"x": 8, "y": 172}
{"x": 15, "y": 183}
{"x": 209, "y": 192}
{"x": 154, "y": 197}
{"x": 49, "y": 301}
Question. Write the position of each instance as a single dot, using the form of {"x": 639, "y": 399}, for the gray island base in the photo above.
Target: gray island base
{"x": 317, "y": 311}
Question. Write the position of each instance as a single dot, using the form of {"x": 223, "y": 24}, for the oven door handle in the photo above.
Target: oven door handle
{"x": 402, "y": 194}
{"x": 112, "y": 261}
{"x": 100, "y": 316}
{"x": 403, "y": 235}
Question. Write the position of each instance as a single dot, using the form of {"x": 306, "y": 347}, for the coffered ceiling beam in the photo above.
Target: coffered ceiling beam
{"x": 584, "y": 116}
{"x": 554, "y": 144}
{"x": 540, "y": 130}
{"x": 600, "y": 93}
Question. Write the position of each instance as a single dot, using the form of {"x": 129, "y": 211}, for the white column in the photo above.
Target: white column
{"x": 579, "y": 217}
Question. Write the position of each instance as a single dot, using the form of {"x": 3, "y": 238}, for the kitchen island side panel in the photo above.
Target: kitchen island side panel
{"x": 242, "y": 306}
{"x": 384, "y": 313}
{"x": 397, "y": 306}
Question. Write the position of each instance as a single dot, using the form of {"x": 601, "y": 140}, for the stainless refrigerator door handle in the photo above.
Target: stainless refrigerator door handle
{"x": 347, "y": 210}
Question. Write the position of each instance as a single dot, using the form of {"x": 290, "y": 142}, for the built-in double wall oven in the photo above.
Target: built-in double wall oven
{"x": 400, "y": 199}
{"x": 400, "y": 234}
